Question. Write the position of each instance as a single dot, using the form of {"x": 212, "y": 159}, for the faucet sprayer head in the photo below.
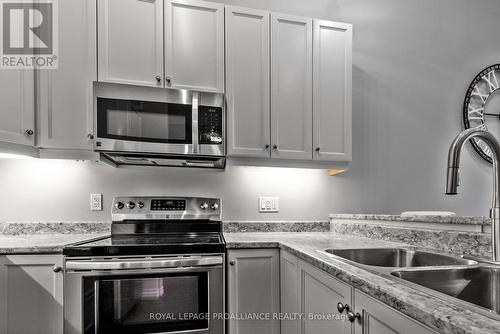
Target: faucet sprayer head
{"x": 452, "y": 180}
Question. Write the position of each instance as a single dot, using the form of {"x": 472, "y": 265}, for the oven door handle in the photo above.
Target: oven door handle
{"x": 144, "y": 264}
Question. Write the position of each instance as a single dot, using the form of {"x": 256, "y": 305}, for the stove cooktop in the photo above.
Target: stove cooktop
{"x": 158, "y": 225}
{"x": 148, "y": 244}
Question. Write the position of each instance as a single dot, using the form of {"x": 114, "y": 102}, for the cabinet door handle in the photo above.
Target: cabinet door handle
{"x": 275, "y": 147}
{"x": 29, "y": 132}
{"x": 168, "y": 79}
{"x": 90, "y": 136}
{"x": 57, "y": 269}
{"x": 342, "y": 307}
{"x": 317, "y": 149}
{"x": 267, "y": 146}
{"x": 352, "y": 317}
{"x": 232, "y": 262}
{"x": 158, "y": 78}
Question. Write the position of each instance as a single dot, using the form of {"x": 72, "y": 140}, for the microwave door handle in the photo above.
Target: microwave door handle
{"x": 195, "y": 125}
{"x": 144, "y": 264}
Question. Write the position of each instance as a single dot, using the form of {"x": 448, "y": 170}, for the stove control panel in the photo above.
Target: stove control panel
{"x": 168, "y": 205}
{"x": 158, "y": 207}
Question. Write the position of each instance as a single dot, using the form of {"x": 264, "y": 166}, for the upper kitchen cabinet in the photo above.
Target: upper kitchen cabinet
{"x": 291, "y": 87}
{"x": 194, "y": 45}
{"x": 130, "y": 42}
{"x": 288, "y": 88}
{"x": 64, "y": 95}
{"x": 332, "y": 76}
{"x": 248, "y": 82}
{"x": 17, "y": 111}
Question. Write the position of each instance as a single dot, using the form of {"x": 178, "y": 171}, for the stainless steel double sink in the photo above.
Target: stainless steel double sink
{"x": 464, "y": 279}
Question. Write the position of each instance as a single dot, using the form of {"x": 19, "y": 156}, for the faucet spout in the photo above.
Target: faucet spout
{"x": 452, "y": 178}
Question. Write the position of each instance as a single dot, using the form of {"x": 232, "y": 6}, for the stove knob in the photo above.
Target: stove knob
{"x": 214, "y": 206}
{"x": 140, "y": 205}
{"x": 119, "y": 205}
{"x": 130, "y": 205}
{"x": 204, "y": 206}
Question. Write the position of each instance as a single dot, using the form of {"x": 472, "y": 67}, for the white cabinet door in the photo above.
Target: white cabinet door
{"x": 378, "y": 318}
{"x": 17, "y": 111}
{"x": 253, "y": 287}
{"x": 31, "y": 294}
{"x": 194, "y": 45}
{"x": 289, "y": 292}
{"x": 332, "y": 76}
{"x": 65, "y": 95}
{"x": 291, "y": 87}
{"x": 319, "y": 294}
{"x": 130, "y": 41}
{"x": 247, "y": 82}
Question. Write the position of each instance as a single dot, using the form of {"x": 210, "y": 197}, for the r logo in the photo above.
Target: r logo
{"x": 29, "y": 33}
{"x": 27, "y": 28}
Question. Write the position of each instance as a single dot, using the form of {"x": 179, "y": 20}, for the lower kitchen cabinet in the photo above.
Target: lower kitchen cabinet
{"x": 289, "y": 277}
{"x": 312, "y": 292}
{"x": 319, "y": 294}
{"x": 253, "y": 288}
{"x": 378, "y": 318}
{"x": 31, "y": 294}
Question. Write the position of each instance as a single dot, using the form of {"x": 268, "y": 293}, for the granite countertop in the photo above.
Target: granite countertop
{"x": 40, "y": 243}
{"x": 426, "y": 219}
{"x": 441, "y": 313}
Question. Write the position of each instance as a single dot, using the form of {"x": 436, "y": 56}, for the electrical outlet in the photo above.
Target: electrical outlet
{"x": 269, "y": 204}
{"x": 95, "y": 202}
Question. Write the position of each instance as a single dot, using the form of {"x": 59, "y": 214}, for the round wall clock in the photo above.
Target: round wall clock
{"x": 482, "y": 107}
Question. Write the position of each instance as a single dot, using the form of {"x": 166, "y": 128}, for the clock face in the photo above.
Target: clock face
{"x": 482, "y": 107}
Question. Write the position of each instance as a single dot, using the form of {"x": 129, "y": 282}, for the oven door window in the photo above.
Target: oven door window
{"x": 154, "y": 122}
{"x": 146, "y": 304}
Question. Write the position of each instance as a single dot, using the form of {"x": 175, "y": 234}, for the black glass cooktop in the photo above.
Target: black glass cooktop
{"x": 148, "y": 244}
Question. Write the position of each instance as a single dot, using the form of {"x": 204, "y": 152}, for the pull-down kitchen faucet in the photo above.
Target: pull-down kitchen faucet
{"x": 452, "y": 178}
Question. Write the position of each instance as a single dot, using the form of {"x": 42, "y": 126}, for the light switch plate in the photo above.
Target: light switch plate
{"x": 96, "y": 202}
{"x": 269, "y": 204}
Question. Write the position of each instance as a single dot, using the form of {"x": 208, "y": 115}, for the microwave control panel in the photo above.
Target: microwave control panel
{"x": 210, "y": 125}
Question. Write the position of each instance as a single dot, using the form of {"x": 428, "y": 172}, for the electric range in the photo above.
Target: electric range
{"x": 160, "y": 271}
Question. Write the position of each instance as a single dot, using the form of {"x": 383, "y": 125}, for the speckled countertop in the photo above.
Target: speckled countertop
{"x": 443, "y": 314}
{"x": 40, "y": 243}
{"x": 426, "y": 219}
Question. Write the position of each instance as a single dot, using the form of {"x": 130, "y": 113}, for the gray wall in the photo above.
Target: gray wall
{"x": 413, "y": 61}
{"x": 55, "y": 190}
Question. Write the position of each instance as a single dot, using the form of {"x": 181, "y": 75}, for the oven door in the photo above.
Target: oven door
{"x": 149, "y": 300}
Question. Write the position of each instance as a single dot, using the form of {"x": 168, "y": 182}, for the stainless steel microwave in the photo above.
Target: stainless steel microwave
{"x": 159, "y": 127}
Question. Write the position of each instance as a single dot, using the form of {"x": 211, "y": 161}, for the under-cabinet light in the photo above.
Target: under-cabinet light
{"x": 14, "y": 156}
{"x": 337, "y": 171}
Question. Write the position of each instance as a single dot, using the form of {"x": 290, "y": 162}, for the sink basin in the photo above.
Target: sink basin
{"x": 397, "y": 257}
{"x": 477, "y": 285}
